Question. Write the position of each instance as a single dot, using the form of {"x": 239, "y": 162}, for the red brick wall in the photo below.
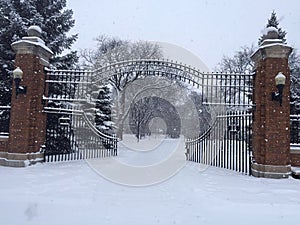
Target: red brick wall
{"x": 27, "y": 121}
{"x": 271, "y": 126}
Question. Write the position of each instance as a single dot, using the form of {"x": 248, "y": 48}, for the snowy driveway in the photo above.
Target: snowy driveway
{"x": 147, "y": 162}
{"x": 72, "y": 193}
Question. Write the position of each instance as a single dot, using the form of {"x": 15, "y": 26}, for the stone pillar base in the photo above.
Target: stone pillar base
{"x": 270, "y": 171}
{"x": 20, "y": 160}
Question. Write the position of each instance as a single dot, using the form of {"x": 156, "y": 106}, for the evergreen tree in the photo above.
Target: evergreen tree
{"x": 112, "y": 50}
{"x": 15, "y": 18}
{"x": 103, "y": 117}
{"x": 273, "y": 22}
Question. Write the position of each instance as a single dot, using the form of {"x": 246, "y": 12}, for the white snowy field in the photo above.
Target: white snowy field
{"x": 74, "y": 193}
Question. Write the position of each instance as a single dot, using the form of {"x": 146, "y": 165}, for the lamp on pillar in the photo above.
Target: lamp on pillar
{"x": 18, "y": 75}
{"x": 280, "y": 82}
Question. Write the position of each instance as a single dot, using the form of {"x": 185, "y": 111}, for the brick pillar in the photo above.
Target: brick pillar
{"x": 27, "y": 121}
{"x": 271, "y": 125}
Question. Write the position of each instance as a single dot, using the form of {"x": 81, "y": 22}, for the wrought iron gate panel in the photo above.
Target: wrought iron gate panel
{"x": 227, "y": 143}
{"x": 4, "y": 121}
{"x": 62, "y": 143}
{"x": 69, "y": 133}
{"x": 295, "y": 129}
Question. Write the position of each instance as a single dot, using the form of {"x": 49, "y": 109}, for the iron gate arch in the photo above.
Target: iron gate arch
{"x": 227, "y": 97}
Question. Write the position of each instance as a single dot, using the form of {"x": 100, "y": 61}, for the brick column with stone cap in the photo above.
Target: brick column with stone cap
{"x": 271, "y": 125}
{"x": 27, "y": 121}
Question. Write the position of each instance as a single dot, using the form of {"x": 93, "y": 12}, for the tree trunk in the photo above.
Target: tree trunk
{"x": 121, "y": 111}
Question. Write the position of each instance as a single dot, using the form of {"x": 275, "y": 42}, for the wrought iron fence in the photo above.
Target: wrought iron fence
{"x": 295, "y": 129}
{"x": 70, "y": 138}
{"x": 70, "y": 134}
{"x": 4, "y": 120}
{"x": 227, "y": 143}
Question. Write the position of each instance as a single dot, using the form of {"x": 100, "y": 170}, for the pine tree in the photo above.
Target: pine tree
{"x": 112, "y": 50}
{"x": 103, "y": 115}
{"x": 15, "y": 18}
{"x": 273, "y": 22}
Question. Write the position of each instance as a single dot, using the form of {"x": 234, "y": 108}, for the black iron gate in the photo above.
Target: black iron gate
{"x": 226, "y": 97}
{"x": 227, "y": 142}
{"x": 4, "y": 121}
{"x": 70, "y": 134}
{"x": 69, "y": 137}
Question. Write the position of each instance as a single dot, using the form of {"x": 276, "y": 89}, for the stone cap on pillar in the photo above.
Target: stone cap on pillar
{"x": 33, "y": 44}
{"x": 270, "y": 36}
{"x": 271, "y": 46}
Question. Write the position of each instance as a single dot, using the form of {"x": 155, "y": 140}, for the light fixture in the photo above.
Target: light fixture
{"x": 17, "y": 75}
{"x": 280, "y": 82}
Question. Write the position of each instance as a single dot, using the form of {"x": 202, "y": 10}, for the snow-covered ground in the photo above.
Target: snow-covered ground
{"x": 75, "y": 193}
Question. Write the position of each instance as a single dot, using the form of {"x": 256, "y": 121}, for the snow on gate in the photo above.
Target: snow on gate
{"x": 224, "y": 142}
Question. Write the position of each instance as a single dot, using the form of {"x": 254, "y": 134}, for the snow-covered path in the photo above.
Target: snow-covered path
{"x": 72, "y": 193}
{"x": 147, "y": 162}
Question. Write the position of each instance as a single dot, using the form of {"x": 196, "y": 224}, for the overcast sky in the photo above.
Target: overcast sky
{"x": 208, "y": 28}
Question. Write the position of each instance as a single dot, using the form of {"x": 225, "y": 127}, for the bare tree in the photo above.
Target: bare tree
{"x": 111, "y": 50}
{"x": 141, "y": 115}
{"x": 236, "y": 91}
{"x": 242, "y": 63}
{"x": 239, "y": 63}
